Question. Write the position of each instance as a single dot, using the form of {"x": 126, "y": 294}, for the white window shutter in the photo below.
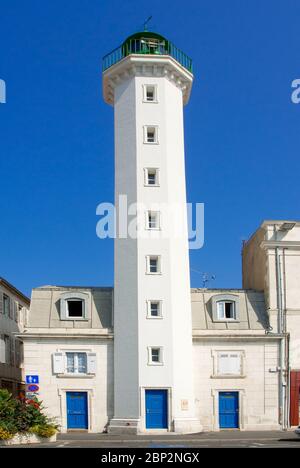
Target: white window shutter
{"x": 235, "y": 364}
{"x": 12, "y": 351}
{"x": 58, "y": 363}
{"x": 224, "y": 364}
{"x": 229, "y": 364}
{"x": 221, "y": 310}
{"x": 91, "y": 363}
{"x": 11, "y": 309}
{"x": 2, "y": 349}
{"x": 63, "y": 309}
{"x": 17, "y": 353}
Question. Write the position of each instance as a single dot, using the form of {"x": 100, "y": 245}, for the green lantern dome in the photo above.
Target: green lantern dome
{"x": 146, "y": 43}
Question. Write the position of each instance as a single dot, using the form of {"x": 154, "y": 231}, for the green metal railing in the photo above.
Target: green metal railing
{"x": 144, "y": 47}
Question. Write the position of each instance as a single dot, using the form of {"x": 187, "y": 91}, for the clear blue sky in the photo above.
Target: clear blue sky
{"x": 56, "y": 133}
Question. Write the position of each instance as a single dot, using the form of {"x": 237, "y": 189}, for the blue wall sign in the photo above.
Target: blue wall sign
{"x": 33, "y": 388}
{"x": 32, "y": 379}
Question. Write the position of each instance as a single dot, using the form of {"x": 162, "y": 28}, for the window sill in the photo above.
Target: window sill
{"x": 75, "y": 376}
{"x": 151, "y": 185}
{"x": 150, "y": 102}
{"x": 228, "y": 377}
{"x": 151, "y": 143}
{"x": 155, "y": 364}
{"x": 153, "y": 274}
{"x": 226, "y": 321}
{"x": 149, "y": 317}
{"x": 77, "y": 319}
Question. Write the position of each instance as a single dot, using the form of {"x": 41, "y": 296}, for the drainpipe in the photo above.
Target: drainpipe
{"x": 287, "y": 346}
{"x": 281, "y": 331}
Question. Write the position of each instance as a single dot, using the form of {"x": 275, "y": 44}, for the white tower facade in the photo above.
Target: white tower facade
{"x": 148, "y": 81}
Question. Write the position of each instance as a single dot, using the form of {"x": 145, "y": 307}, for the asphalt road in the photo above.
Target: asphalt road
{"x": 230, "y": 439}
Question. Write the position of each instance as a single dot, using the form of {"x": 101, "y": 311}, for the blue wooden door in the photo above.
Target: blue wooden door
{"x": 156, "y": 409}
{"x": 77, "y": 411}
{"x": 229, "y": 410}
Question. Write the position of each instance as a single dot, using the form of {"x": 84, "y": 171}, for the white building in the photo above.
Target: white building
{"x": 69, "y": 344}
{"x": 271, "y": 263}
{"x": 151, "y": 354}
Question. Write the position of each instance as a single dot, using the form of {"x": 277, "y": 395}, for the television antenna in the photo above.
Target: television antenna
{"x": 206, "y": 277}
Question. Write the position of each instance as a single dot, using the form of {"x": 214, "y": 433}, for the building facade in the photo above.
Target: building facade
{"x": 235, "y": 361}
{"x": 14, "y": 309}
{"x": 150, "y": 354}
{"x": 271, "y": 264}
{"x": 69, "y": 344}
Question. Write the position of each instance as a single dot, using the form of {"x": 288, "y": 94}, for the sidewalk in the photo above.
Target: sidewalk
{"x": 171, "y": 437}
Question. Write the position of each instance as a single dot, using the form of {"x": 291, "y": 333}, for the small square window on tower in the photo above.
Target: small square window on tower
{"x": 153, "y": 220}
{"x": 154, "y": 309}
{"x": 153, "y": 265}
{"x": 150, "y": 93}
{"x": 152, "y": 177}
{"x": 155, "y": 356}
{"x": 151, "y": 135}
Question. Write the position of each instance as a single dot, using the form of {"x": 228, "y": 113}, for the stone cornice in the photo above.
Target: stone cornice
{"x": 66, "y": 333}
{"x": 272, "y": 244}
{"x": 240, "y": 338}
{"x": 148, "y": 66}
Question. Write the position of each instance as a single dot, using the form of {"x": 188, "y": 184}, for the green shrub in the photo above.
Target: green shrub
{"x": 8, "y": 406}
{"x": 47, "y": 430}
{"x": 5, "y": 435}
{"x": 28, "y": 413}
{"x": 8, "y": 426}
{"x": 23, "y": 414}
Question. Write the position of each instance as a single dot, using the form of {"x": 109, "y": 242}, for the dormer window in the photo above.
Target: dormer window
{"x": 74, "y": 306}
{"x": 225, "y": 308}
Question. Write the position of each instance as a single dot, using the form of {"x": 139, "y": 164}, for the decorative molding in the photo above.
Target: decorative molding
{"x": 294, "y": 245}
{"x": 140, "y": 66}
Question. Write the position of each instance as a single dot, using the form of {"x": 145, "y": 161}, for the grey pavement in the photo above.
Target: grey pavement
{"x": 224, "y": 439}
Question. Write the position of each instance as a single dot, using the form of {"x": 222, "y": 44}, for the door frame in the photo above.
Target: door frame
{"x": 86, "y": 401}
{"x": 62, "y": 393}
{"x": 143, "y": 409}
{"x": 236, "y": 398}
{"x": 242, "y": 405}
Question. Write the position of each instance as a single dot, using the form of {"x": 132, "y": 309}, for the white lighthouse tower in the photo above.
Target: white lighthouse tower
{"x": 148, "y": 81}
